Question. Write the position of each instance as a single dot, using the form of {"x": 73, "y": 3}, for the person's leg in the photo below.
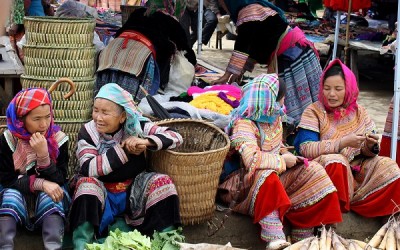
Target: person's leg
{"x": 185, "y": 23}
{"x": 210, "y": 24}
{"x": 53, "y": 232}
{"x": 194, "y": 18}
{"x": 8, "y": 230}
{"x": 86, "y": 211}
{"x": 82, "y": 235}
{"x": 12, "y": 212}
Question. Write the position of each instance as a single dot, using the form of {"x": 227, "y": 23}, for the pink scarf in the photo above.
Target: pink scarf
{"x": 350, "y": 99}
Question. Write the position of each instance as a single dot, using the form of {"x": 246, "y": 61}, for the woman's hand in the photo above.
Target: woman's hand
{"x": 227, "y": 78}
{"x": 351, "y": 140}
{"x": 53, "y": 190}
{"x": 371, "y": 140}
{"x": 39, "y": 144}
{"x": 290, "y": 160}
{"x": 135, "y": 145}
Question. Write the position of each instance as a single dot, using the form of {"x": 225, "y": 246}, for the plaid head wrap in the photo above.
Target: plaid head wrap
{"x": 171, "y": 7}
{"x": 113, "y": 92}
{"x": 23, "y": 102}
{"x": 258, "y": 101}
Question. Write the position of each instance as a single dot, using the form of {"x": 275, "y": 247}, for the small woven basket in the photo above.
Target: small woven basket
{"x": 59, "y": 32}
{"x": 195, "y": 166}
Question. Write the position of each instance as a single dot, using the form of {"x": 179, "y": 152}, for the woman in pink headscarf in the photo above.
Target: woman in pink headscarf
{"x": 338, "y": 133}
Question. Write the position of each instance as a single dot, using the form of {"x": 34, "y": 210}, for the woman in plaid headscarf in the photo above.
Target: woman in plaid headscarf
{"x": 33, "y": 170}
{"x": 276, "y": 184}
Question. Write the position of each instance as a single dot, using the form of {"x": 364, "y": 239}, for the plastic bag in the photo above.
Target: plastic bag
{"x": 206, "y": 246}
{"x": 181, "y": 74}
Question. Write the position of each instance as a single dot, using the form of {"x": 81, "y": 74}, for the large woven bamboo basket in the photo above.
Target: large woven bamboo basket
{"x": 195, "y": 166}
{"x": 77, "y": 108}
{"x": 59, "y": 32}
{"x": 84, "y": 86}
{"x": 72, "y": 62}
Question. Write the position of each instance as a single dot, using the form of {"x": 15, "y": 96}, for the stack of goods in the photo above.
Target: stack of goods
{"x": 62, "y": 47}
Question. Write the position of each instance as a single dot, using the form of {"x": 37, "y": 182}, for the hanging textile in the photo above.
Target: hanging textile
{"x": 343, "y": 5}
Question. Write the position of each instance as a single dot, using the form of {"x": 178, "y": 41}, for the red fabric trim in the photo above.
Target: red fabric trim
{"x": 32, "y": 179}
{"x": 326, "y": 211}
{"x": 134, "y": 35}
{"x": 271, "y": 196}
{"x": 380, "y": 203}
{"x": 386, "y": 146}
{"x": 338, "y": 174}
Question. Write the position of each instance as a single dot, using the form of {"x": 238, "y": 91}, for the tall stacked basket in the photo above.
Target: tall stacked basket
{"x": 56, "y": 48}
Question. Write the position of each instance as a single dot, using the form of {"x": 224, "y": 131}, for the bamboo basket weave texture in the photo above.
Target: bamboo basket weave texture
{"x": 59, "y": 32}
{"x": 195, "y": 166}
{"x": 77, "y": 108}
{"x": 3, "y": 124}
{"x": 72, "y": 62}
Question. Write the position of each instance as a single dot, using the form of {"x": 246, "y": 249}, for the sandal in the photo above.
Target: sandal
{"x": 277, "y": 245}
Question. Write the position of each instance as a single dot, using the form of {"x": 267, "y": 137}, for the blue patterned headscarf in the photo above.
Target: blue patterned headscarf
{"x": 113, "y": 92}
{"x": 258, "y": 102}
{"x": 234, "y": 6}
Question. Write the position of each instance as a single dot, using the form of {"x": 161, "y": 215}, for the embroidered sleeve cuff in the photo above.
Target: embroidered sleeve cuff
{"x": 156, "y": 141}
{"x": 38, "y": 184}
{"x": 43, "y": 162}
{"x": 337, "y": 146}
{"x": 237, "y": 63}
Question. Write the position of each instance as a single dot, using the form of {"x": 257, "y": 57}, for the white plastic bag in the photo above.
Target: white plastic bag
{"x": 181, "y": 74}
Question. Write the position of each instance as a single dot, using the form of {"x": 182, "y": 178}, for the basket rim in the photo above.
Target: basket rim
{"x": 61, "y": 19}
{"x": 30, "y": 77}
{"x": 28, "y": 46}
{"x": 167, "y": 121}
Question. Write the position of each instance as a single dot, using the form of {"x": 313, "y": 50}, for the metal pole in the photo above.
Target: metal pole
{"x": 199, "y": 27}
{"x": 336, "y": 41}
{"x": 346, "y": 47}
{"x": 396, "y": 99}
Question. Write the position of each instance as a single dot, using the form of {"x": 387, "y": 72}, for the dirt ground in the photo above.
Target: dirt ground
{"x": 376, "y": 90}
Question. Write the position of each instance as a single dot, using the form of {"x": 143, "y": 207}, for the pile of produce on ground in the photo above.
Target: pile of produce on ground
{"x": 135, "y": 240}
{"x": 387, "y": 238}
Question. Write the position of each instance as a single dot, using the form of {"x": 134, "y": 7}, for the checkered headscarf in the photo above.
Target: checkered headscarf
{"x": 258, "y": 102}
{"x": 23, "y": 102}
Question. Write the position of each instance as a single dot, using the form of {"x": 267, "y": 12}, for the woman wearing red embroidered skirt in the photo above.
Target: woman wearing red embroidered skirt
{"x": 338, "y": 133}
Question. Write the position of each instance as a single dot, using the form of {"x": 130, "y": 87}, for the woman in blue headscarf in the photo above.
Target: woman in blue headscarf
{"x": 112, "y": 184}
{"x": 265, "y": 37}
